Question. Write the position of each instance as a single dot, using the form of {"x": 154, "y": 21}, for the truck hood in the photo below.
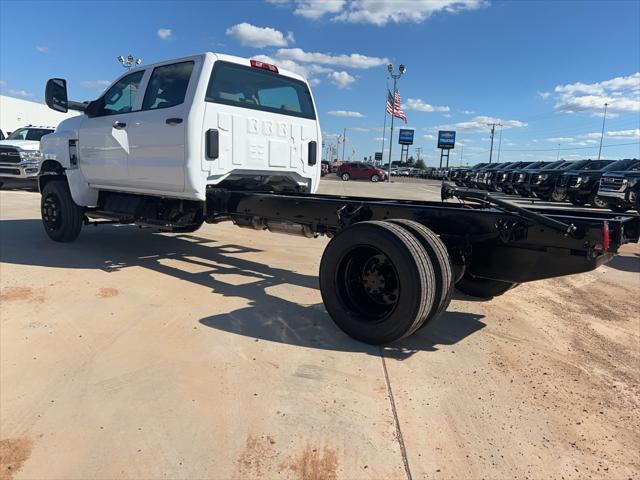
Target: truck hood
{"x": 622, "y": 174}
{"x": 22, "y": 144}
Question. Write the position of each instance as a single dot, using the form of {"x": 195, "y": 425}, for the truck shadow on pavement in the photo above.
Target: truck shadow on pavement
{"x": 208, "y": 263}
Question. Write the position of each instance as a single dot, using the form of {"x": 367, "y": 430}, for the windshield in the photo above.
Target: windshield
{"x": 553, "y": 165}
{"x": 621, "y": 165}
{"x": 34, "y": 134}
{"x": 258, "y": 89}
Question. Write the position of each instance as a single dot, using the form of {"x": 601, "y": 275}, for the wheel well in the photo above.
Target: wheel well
{"x": 50, "y": 170}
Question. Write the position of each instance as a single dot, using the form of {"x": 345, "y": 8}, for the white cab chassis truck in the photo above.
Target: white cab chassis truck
{"x": 217, "y": 138}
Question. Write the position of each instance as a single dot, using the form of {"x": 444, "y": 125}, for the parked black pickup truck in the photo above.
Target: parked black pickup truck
{"x": 504, "y": 177}
{"x": 581, "y": 186}
{"x": 531, "y": 179}
{"x": 520, "y": 176}
{"x": 490, "y": 179}
{"x": 547, "y": 185}
{"x": 620, "y": 189}
{"x": 469, "y": 175}
{"x": 484, "y": 175}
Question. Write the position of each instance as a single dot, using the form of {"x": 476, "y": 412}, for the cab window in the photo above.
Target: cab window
{"x": 167, "y": 86}
{"x": 34, "y": 134}
{"x": 122, "y": 96}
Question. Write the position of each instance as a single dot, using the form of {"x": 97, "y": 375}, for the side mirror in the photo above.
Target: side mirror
{"x": 93, "y": 108}
{"x": 55, "y": 94}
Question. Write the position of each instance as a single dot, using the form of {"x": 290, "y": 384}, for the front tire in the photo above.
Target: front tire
{"x": 345, "y": 177}
{"x": 483, "y": 288}
{"x": 61, "y": 217}
{"x": 596, "y": 201}
{"x": 377, "y": 282}
{"x": 558, "y": 195}
{"x": 375, "y": 178}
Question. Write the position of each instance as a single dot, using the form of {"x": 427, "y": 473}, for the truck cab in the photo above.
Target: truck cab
{"x": 620, "y": 187}
{"x": 176, "y": 127}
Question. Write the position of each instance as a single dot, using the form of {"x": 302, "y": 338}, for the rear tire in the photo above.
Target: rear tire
{"x": 483, "y": 287}
{"x": 377, "y": 282}
{"x": 61, "y": 217}
{"x": 439, "y": 256}
{"x": 345, "y": 177}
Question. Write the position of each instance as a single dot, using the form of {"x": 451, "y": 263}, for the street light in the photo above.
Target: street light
{"x": 129, "y": 62}
{"x": 401, "y": 70}
{"x": 604, "y": 118}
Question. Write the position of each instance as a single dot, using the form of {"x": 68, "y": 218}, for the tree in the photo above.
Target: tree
{"x": 420, "y": 164}
{"x": 410, "y": 160}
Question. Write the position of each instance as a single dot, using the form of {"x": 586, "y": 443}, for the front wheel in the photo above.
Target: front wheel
{"x": 345, "y": 177}
{"x": 375, "y": 178}
{"x": 483, "y": 288}
{"x": 61, "y": 217}
{"x": 558, "y": 195}
{"x": 596, "y": 201}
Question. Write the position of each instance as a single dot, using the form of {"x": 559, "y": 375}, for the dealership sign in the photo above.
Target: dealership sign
{"x": 446, "y": 139}
{"x": 405, "y": 137}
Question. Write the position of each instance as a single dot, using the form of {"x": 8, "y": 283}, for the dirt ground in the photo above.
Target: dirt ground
{"x": 133, "y": 354}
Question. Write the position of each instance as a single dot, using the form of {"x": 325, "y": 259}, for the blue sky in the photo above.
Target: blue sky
{"x": 543, "y": 69}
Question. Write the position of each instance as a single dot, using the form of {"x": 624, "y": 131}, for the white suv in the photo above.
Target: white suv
{"x": 20, "y": 154}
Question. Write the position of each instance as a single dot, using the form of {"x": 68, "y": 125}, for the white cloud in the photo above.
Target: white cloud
{"x": 359, "y": 129}
{"x": 378, "y": 139}
{"x": 259, "y": 37}
{"x": 310, "y": 72}
{"x": 621, "y": 93}
{"x": 429, "y": 137}
{"x": 317, "y": 8}
{"x": 468, "y": 112}
{"x": 19, "y": 93}
{"x": 420, "y": 106}
{"x": 341, "y": 79}
{"x": 544, "y": 95}
{"x": 3, "y": 83}
{"x": 559, "y": 139}
{"x": 345, "y": 113}
{"x": 480, "y": 124}
{"x": 633, "y": 133}
{"x": 378, "y": 12}
{"x": 165, "y": 33}
{"x": 354, "y": 60}
{"x": 43, "y": 49}
{"x": 95, "y": 84}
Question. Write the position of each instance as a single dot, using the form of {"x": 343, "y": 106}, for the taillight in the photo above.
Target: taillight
{"x": 606, "y": 236}
{"x": 264, "y": 66}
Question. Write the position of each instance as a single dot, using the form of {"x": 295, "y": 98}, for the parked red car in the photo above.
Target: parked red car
{"x": 360, "y": 170}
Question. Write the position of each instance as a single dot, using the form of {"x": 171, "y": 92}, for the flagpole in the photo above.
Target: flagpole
{"x": 384, "y": 125}
{"x": 395, "y": 76}
{"x": 395, "y": 81}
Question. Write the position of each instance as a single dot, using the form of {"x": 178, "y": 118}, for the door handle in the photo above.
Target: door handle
{"x": 119, "y": 125}
{"x": 173, "y": 121}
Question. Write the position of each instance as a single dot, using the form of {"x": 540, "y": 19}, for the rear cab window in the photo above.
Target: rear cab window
{"x": 167, "y": 86}
{"x": 258, "y": 89}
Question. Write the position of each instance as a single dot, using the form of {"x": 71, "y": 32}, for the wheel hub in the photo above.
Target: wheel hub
{"x": 51, "y": 212}
{"x": 377, "y": 280}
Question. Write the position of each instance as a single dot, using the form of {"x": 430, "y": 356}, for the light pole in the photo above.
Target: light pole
{"x": 344, "y": 141}
{"x": 395, "y": 76}
{"x": 604, "y": 118}
{"x": 558, "y": 156}
{"x": 129, "y": 62}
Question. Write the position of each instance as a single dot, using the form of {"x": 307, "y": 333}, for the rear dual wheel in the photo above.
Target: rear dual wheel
{"x": 381, "y": 281}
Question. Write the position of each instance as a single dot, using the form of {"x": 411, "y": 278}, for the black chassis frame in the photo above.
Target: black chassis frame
{"x": 487, "y": 237}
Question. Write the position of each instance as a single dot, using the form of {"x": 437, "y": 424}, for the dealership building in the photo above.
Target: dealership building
{"x": 17, "y": 112}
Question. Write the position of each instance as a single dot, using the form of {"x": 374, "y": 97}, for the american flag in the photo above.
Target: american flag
{"x": 393, "y": 106}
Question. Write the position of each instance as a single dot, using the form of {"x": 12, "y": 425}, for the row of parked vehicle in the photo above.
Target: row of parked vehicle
{"x": 598, "y": 183}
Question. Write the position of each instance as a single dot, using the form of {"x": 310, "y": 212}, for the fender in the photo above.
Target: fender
{"x": 56, "y": 152}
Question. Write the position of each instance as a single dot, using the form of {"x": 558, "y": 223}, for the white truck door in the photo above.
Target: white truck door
{"x": 103, "y": 137}
{"x": 158, "y": 139}
{"x": 265, "y": 122}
